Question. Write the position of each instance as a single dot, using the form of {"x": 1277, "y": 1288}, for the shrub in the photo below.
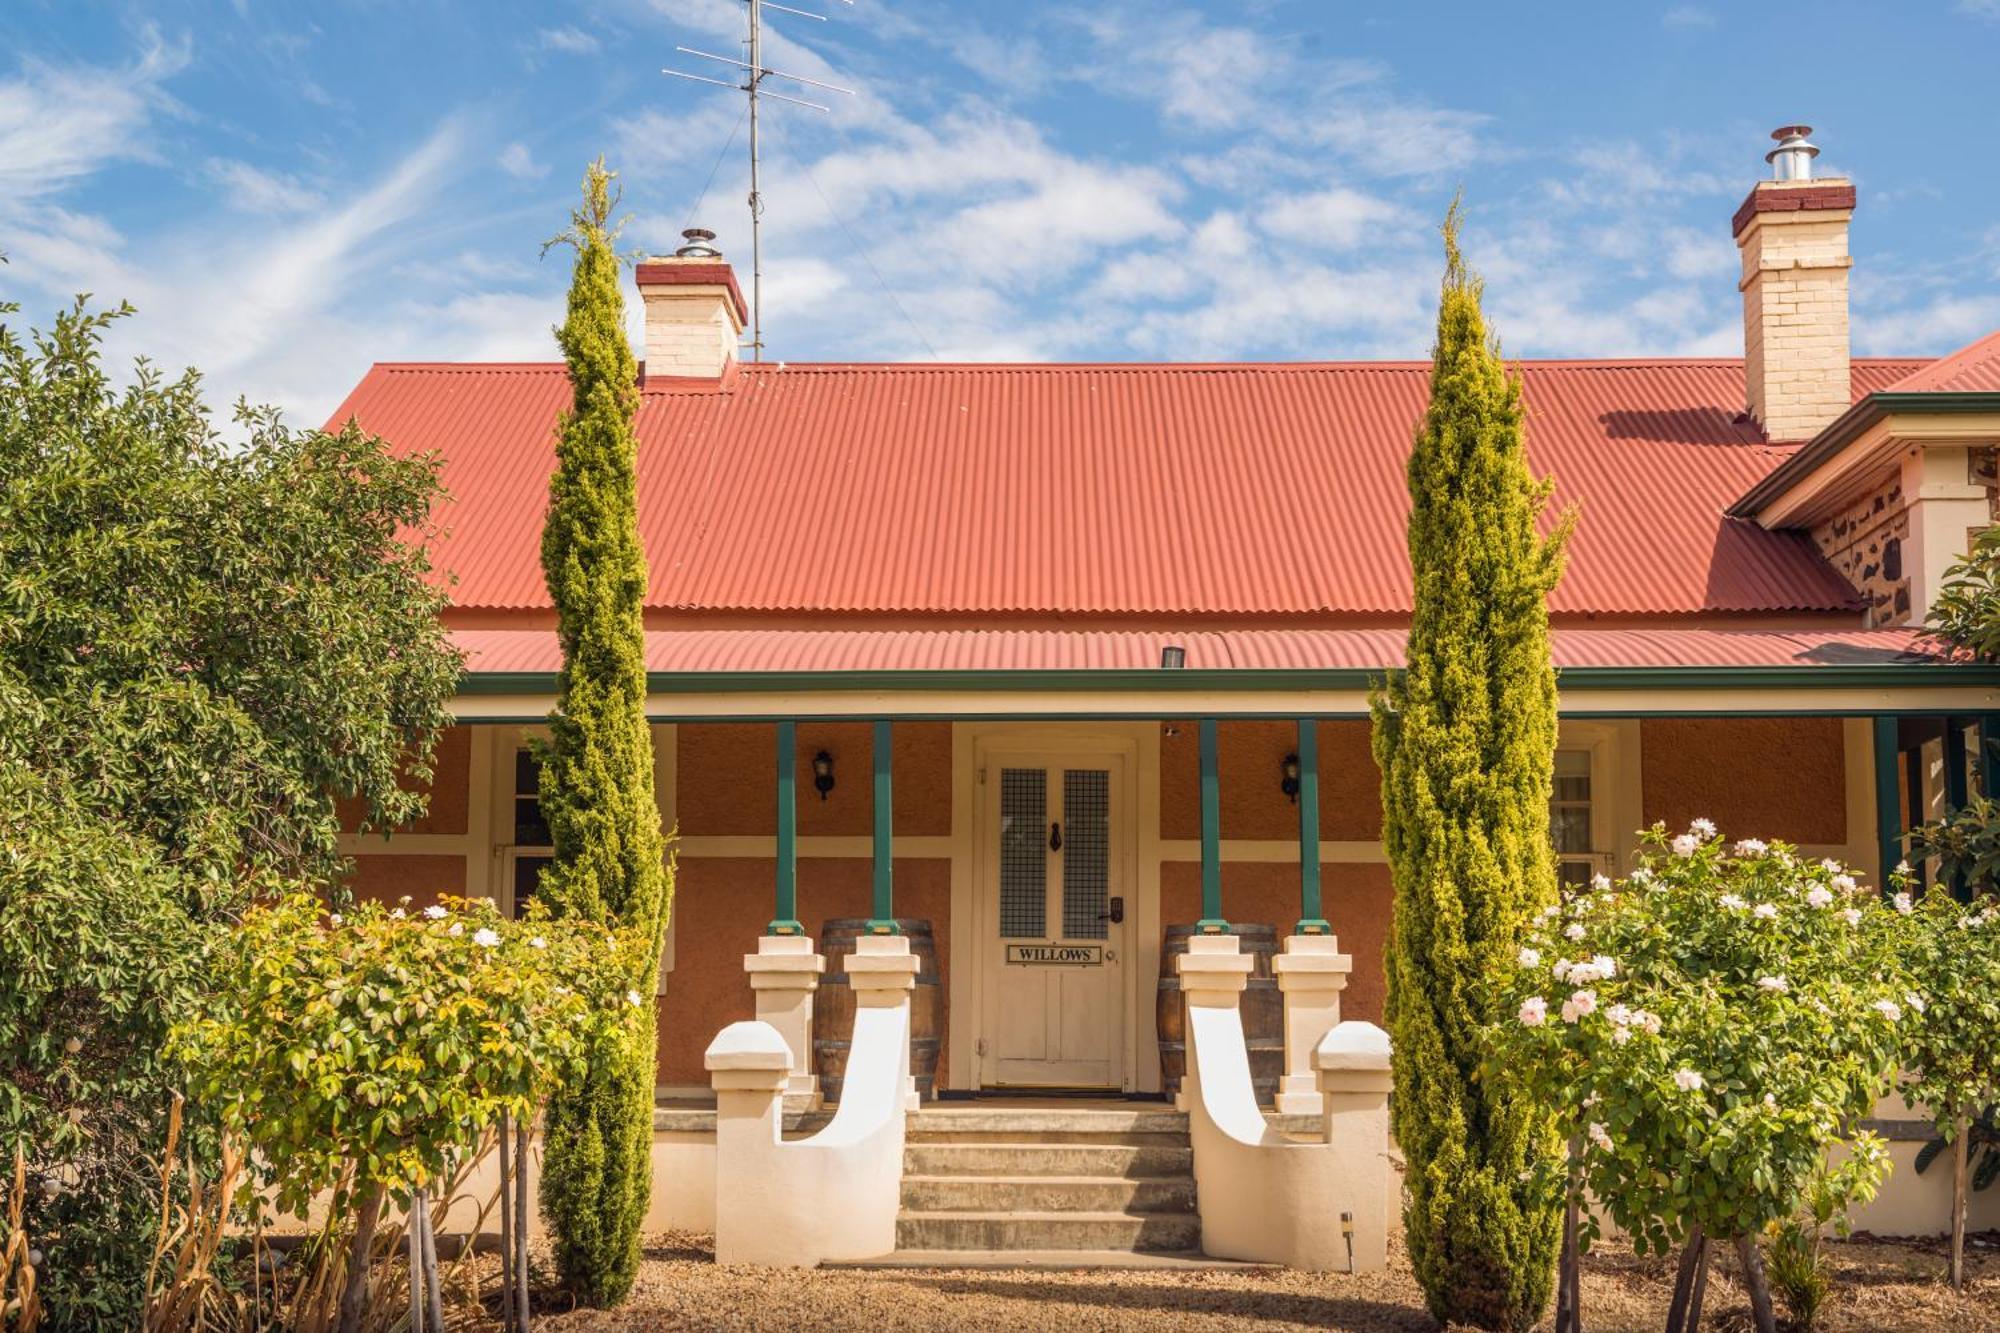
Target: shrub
{"x": 1708, "y": 1028}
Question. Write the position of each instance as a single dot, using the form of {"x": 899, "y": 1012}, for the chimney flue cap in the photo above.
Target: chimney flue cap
{"x": 699, "y": 243}
{"x": 1792, "y": 159}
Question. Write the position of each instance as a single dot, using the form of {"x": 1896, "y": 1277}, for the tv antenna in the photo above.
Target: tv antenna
{"x": 755, "y": 72}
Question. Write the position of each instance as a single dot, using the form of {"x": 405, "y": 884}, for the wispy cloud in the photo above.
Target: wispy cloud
{"x": 59, "y": 123}
{"x": 251, "y": 189}
{"x": 517, "y": 161}
{"x": 1687, "y": 16}
{"x": 566, "y": 40}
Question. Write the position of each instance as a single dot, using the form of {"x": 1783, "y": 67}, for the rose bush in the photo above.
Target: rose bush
{"x": 1708, "y": 1028}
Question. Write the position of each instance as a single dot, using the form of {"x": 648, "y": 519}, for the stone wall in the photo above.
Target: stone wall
{"x": 1864, "y": 543}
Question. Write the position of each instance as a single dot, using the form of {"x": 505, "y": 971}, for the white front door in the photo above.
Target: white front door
{"x": 1055, "y": 869}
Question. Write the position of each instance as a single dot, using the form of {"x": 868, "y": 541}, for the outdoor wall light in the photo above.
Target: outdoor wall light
{"x": 1173, "y": 658}
{"x": 1289, "y": 784}
{"x": 822, "y": 773}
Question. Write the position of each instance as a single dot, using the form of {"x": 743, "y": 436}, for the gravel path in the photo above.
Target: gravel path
{"x": 1881, "y": 1288}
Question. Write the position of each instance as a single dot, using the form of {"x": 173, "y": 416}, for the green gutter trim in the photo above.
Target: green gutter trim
{"x": 1846, "y": 675}
{"x": 1848, "y": 427}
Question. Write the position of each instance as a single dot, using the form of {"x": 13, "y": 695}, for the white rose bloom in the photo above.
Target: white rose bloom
{"x": 1844, "y": 883}
{"x": 1903, "y": 903}
{"x": 1606, "y": 965}
{"x": 1702, "y": 828}
{"x": 334, "y": 919}
{"x": 1601, "y": 883}
{"x": 1561, "y": 969}
{"x": 1778, "y": 984}
{"x": 1819, "y": 896}
{"x": 485, "y": 938}
{"x": 395, "y": 914}
{"x": 538, "y": 943}
{"x": 1752, "y": 847}
{"x": 1684, "y": 844}
{"x": 1852, "y": 916}
{"x": 1732, "y": 902}
{"x": 1764, "y": 911}
{"x": 457, "y": 929}
{"x": 1916, "y": 1002}
{"x": 1687, "y": 1080}
{"x": 1650, "y": 1021}
{"x": 1573, "y": 931}
{"x": 1621, "y": 1035}
{"x": 435, "y": 912}
{"x": 1888, "y": 1009}
{"x": 1641, "y": 876}
{"x": 1530, "y": 958}
{"x": 1534, "y": 1011}
{"x": 1828, "y": 864}
{"x": 632, "y": 998}
{"x": 1600, "y": 1136}
{"x": 1902, "y": 867}
{"x": 1584, "y": 1002}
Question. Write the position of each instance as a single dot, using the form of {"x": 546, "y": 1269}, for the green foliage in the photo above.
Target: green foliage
{"x": 1966, "y": 613}
{"x": 203, "y": 644}
{"x": 1965, "y": 842}
{"x": 1952, "y": 1048}
{"x": 1465, "y": 737}
{"x": 1982, "y": 1143}
{"x": 101, "y": 943}
{"x": 1709, "y": 1027}
{"x": 373, "y": 1050}
{"x": 597, "y": 768}
{"x": 1796, "y": 1260}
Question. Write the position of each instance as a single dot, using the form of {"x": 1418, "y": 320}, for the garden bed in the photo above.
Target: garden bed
{"x": 1881, "y": 1287}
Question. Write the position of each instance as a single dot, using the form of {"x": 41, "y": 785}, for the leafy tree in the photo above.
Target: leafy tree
{"x": 1465, "y": 737}
{"x": 597, "y": 767}
{"x": 204, "y": 643}
{"x": 367, "y": 1055}
{"x": 1953, "y": 1043}
{"x": 1709, "y": 1027}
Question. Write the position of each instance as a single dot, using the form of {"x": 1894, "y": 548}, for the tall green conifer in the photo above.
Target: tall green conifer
{"x": 597, "y": 768}
{"x": 1465, "y": 738}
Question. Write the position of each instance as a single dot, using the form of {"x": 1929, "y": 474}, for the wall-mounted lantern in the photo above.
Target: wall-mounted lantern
{"x": 1289, "y": 784}
{"x": 822, "y": 773}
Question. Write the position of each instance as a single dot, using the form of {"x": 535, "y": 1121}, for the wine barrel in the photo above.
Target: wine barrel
{"x": 1263, "y": 1010}
{"x": 833, "y": 1005}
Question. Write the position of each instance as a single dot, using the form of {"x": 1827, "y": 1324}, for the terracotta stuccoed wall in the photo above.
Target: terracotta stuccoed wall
{"x": 1356, "y": 896}
{"x": 423, "y": 877}
{"x": 721, "y": 906}
{"x": 451, "y": 764}
{"x": 726, "y": 785}
{"x": 1249, "y": 764}
{"x": 1757, "y": 777}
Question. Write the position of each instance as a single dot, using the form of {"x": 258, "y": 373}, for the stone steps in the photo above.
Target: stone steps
{"x": 1048, "y": 1194}
{"x": 989, "y": 1230}
{"x": 999, "y": 1186}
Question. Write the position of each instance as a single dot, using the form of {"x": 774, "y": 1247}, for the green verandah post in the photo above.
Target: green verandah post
{"x": 787, "y": 920}
{"x": 1312, "y": 919}
{"x": 884, "y": 920}
{"x": 1888, "y": 797}
{"x": 1211, "y": 922}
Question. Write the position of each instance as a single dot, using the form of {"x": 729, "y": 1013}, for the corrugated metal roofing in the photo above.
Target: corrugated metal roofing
{"x": 1974, "y": 368}
{"x": 1101, "y": 489}
{"x": 770, "y": 650}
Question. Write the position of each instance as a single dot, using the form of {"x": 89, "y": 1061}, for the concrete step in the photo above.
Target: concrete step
{"x": 1189, "y": 1261}
{"x": 973, "y": 1124}
{"x": 1047, "y": 1231}
{"x": 1017, "y": 1158}
{"x": 1047, "y": 1194}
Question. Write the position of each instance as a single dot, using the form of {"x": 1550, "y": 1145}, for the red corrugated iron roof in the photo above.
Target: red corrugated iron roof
{"x": 780, "y": 650}
{"x": 1123, "y": 489}
{"x": 1974, "y": 368}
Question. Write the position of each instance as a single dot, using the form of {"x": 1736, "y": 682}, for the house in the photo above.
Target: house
{"x": 1057, "y": 658}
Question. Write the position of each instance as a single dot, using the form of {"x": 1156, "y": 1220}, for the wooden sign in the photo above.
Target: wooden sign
{"x": 1055, "y": 955}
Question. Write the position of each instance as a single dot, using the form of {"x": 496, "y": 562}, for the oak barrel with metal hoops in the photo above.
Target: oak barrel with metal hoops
{"x": 833, "y": 1005}
{"x": 1263, "y": 1010}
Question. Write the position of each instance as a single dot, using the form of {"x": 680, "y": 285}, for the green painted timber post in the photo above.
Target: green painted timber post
{"x": 1888, "y": 797}
{"x": 1312, "y": 918}
{"x": 1211, "y": 922}
{"x": 884, "y": 920}
{"x": 787, "y": 920}
{"x": 1957, "y": 789}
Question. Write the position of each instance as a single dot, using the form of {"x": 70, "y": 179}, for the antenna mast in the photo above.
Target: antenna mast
{"x": 756, "y": 71}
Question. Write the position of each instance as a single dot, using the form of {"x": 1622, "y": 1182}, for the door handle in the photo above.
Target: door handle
{"x": 1055, "y": 837}
{"x": 1116, "y": 916}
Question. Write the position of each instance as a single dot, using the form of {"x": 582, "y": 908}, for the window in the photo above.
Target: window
{"x": 1569, "y": 820}
{"x": 532, "y": 849}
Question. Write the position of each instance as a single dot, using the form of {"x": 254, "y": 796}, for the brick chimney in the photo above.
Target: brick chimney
{"x": 694, "y": 310}
{"x": 1792, "y": 231}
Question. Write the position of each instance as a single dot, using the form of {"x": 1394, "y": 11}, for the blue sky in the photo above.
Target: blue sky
{"x": 290, "y": 192}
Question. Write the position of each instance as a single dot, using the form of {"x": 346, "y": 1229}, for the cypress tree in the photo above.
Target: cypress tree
{"x": 597, "y": 767}
{"x": 1465, "y": 738}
